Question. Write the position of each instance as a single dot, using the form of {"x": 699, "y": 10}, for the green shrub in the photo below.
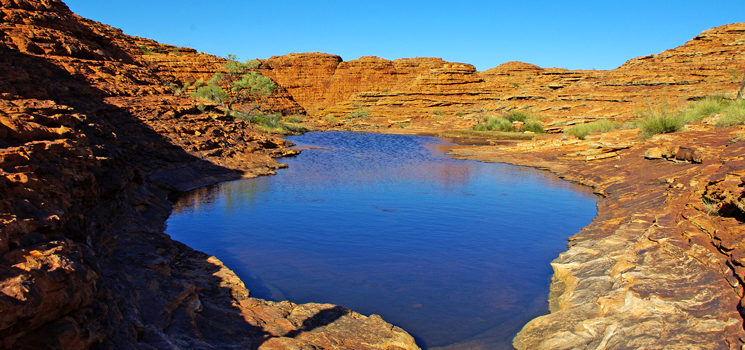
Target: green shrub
{"x": 506, "y": 123}
{"x": 517, "y": 116}
{"x": 480, "y": 127}
{"x": 534, "y": 126}
{"x": 295, "y": 128}
{"x": 146, "y": 50}
{"x": 660, "y": 120}
{"x": 359, "y": 114}
{"x": 211, "y": 93}
{"x": 732, "y": 112}
{"x": 711, "y": 207}
{"x": 248, "y": 89}
{"x": 330, "y": 118}
{"x": 272, "y": 120}
{"x": 253, "y": 64}
{"x": 500, "y": 124}
{"x": 582, "y": 130}
{"x": 704, "y": 108}
{"x": 177, "y": 91}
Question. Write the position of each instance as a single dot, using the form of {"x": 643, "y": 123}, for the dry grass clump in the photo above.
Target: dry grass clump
{"x": 733, "y": 113}
{"x": 582, "y": 130}
{"x": 506, "y": 123}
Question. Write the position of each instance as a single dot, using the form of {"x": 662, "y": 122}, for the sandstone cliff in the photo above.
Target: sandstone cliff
{"x": 92, "y": 139}
{"x": 91, "y": 142}
{"x": 433, "y": 92}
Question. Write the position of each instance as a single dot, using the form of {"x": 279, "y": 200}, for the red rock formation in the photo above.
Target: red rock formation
{"x": 662, "y": 264}
{"x": 427, "y": 88}
{"x": 325, "y": 80}
{"x": 305, "y": 75}
{"x": 91, "y": 142}
{"x": 178, "y": 66}
{"x": 658, "y": 267}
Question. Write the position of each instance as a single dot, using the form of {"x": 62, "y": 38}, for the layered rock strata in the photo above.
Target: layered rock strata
{"x": 92, "y": 141}
{"x": 660, "y": 265}
{"x": 434, "y": 93}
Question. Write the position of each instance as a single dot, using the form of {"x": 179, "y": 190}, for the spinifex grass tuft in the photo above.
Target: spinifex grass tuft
{"x": 733, "y": 114}
{"x": 660, "y": 120}
{"x": 494, "y": 123}
{"x": 582, "y": 130}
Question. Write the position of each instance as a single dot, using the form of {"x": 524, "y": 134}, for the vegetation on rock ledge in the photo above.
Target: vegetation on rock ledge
{"x": 249, "y": 90}
{"x": 241, "y": 91}
{"x": 582, "y": 130}
{"x": 724, "y": 112}
{"x": 511, "y": 122}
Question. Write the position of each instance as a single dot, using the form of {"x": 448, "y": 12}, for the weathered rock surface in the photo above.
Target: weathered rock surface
{"x": 91, "y": 142}
{"x": 92, "y": 139}
{"x": 435, "y": 93}
{"x": 180, "y": 66}
{"x": 658, "y": 267}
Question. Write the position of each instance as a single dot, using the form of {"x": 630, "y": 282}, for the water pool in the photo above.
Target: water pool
{"x": 456, "y": 252}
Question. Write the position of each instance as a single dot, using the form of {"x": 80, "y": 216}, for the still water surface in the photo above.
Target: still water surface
{"x": 453, "y": 251}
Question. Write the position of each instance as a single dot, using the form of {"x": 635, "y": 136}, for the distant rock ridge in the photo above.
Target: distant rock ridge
{"x": 426, "y": 89}
{"x": 324, "y": 85}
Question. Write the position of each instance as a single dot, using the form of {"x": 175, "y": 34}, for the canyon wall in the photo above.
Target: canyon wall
{"x": 92, "y": 140}
{"x": 426, "y": 89}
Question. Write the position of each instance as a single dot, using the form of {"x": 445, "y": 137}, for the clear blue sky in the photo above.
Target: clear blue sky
{"x": 574, "y": 35}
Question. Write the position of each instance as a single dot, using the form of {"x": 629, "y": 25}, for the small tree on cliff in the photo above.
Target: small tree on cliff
{"x": 248, "y": 89}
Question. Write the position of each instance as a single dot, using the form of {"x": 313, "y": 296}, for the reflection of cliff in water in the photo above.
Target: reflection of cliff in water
{"x": 195, "y": 199}
{"x": 241, "y": 193}
{"x": 406, "y": 159}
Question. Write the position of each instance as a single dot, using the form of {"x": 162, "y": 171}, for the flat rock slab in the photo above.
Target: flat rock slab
{"x": 658, "y": 267}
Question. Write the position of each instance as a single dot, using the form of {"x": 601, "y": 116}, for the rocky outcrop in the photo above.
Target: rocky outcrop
{"x": 394, "y": 89}
{"x": 92, "y": 140}
{"x": 179, "y": 67}
{"x": 435, "y": 93}
{"x": 658, "y": 267}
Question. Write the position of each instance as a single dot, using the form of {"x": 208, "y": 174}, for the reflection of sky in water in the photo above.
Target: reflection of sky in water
{"x": 388, "y": 224}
